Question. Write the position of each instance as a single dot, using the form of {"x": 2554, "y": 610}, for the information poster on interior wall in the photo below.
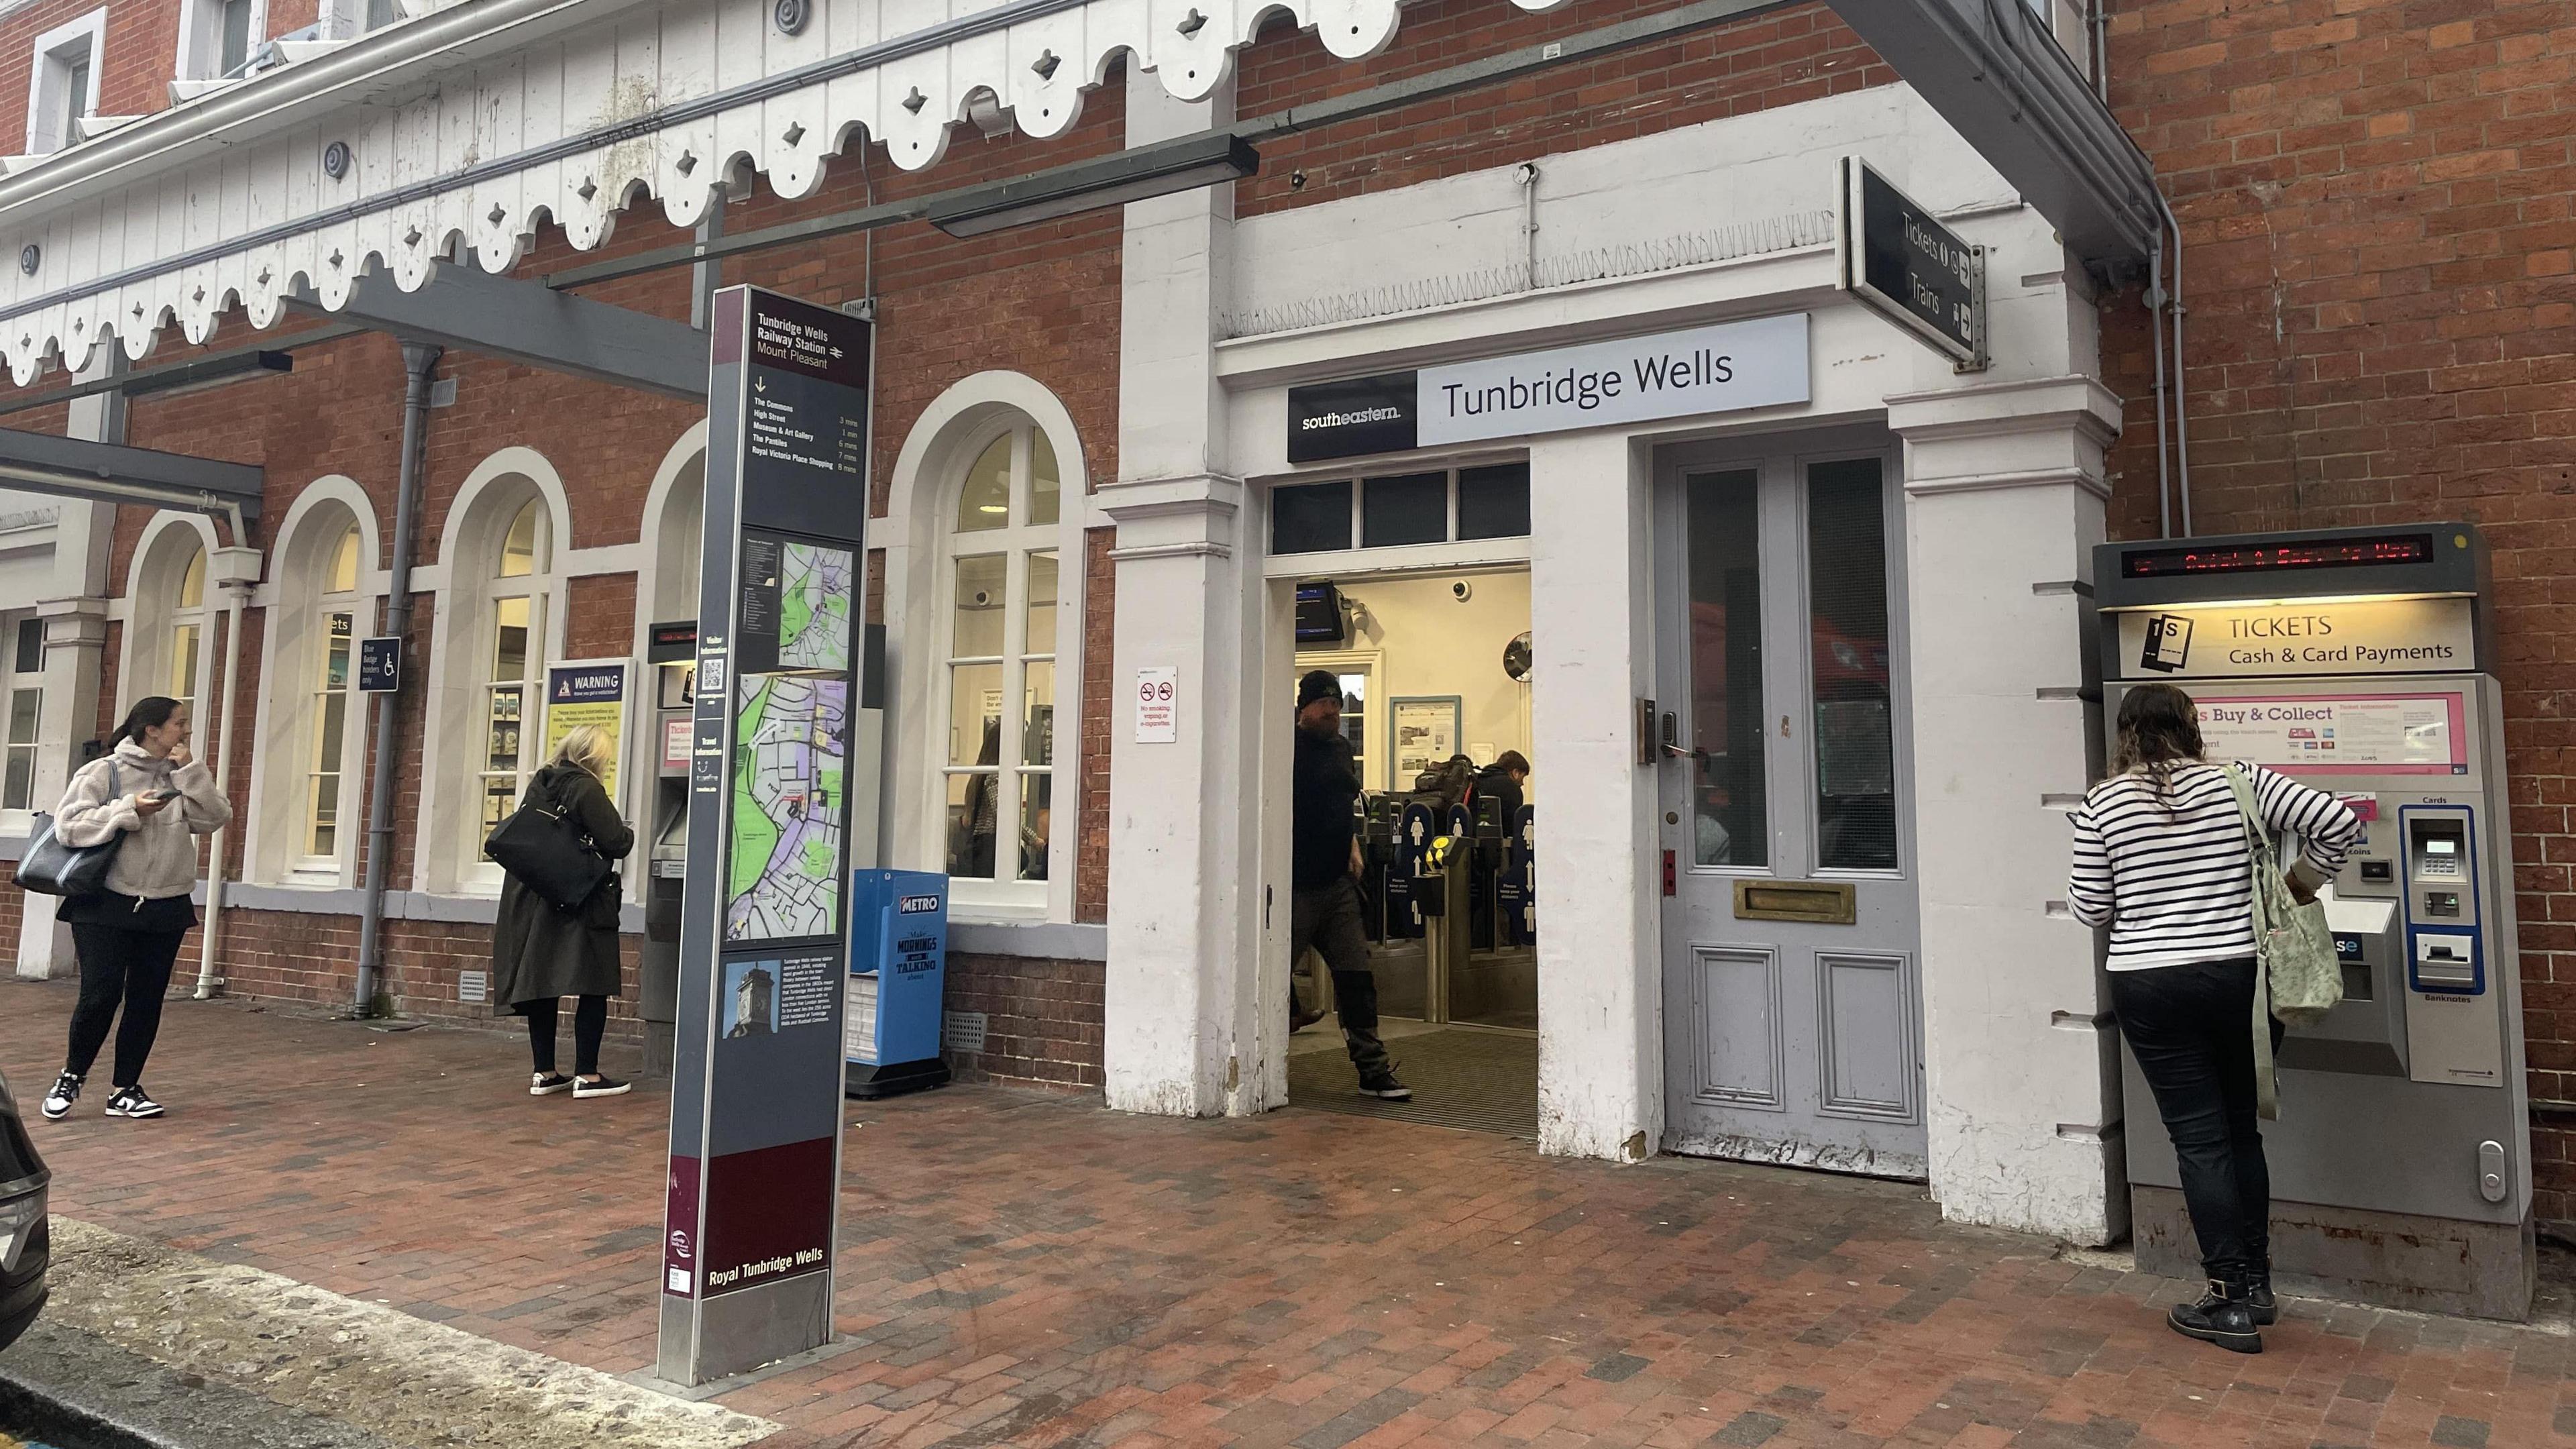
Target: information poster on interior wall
{"x": 2385, "y": 734}
{"x": 1426, "y": 734}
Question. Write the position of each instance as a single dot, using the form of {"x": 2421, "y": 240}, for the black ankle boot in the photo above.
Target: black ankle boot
{"x": 2258, "y": 1297}
{"x": 2222, "y": 1317}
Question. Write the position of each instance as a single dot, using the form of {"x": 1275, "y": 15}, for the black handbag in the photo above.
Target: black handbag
{"x": 548, "y": 851}
{"x": 54, "y": 869}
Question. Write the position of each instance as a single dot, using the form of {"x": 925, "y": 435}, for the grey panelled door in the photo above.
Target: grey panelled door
{"x": 1792, "y": 1016}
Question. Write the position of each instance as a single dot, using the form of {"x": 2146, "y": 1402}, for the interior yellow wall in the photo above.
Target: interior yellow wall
{"x": 1432, "y": 644}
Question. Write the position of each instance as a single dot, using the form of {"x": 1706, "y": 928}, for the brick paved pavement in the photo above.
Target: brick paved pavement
{"x": 1021, "y": 1269}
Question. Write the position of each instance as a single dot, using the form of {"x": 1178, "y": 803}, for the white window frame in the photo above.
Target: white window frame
{"x": 1006, "y": 894}
{"x": 475, "y": 872}
{"x": 315, "y": 691}
{"x": 51, "y": 109}
{"x": 347, "y": 19}
{"x": 199, "y": 620}
{"x": 201, "y": 38}
{"x": 12, "y": 684}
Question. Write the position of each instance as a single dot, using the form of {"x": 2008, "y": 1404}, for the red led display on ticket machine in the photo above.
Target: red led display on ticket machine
{"x": 2360, "y": 662}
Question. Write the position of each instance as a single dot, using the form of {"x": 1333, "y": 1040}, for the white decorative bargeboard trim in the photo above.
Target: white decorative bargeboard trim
{"x": 225, "y": 199}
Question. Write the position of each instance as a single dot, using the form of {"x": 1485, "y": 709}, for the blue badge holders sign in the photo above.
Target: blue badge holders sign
{"x": 898, "y": 969}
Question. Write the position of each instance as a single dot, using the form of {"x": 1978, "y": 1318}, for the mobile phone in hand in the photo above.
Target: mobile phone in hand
{"x": 161, "y": 796}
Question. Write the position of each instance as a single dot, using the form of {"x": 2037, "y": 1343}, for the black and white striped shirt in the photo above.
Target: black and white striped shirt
{"x": 2173, "y": 885}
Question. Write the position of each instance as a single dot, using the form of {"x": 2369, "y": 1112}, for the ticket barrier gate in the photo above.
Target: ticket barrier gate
{"x": 2360, "y": 661}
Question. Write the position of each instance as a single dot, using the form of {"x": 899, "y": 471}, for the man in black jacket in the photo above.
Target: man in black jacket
{"x": 1325, "y": 911}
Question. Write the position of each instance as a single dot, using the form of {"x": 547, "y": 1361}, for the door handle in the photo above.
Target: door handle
{"x": 1672, "y": 732}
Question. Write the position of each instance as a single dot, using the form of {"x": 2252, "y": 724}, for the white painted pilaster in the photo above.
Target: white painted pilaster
{"x": 1600, "y": 973}
{"x": 74, "y": 608}
{"x": 2004, "y": 502}
{"x": 1185, "y": 1032}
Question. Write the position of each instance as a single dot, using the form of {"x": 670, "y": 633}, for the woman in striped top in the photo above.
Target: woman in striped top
{"x": 2162, "y": 859}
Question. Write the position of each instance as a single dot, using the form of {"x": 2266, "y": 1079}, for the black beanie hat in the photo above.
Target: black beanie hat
{"x": 1318, "y": 684}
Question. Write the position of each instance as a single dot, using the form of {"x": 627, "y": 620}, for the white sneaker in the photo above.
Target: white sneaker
{"x": 58, "y": 1102}
{"x": 132, "y": 1102}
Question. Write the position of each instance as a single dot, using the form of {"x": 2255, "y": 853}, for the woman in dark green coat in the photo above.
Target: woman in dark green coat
{"x": 541, "y": 953}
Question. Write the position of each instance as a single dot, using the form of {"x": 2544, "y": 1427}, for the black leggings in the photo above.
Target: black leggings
{"x": 131, "y": 966}
{"x": 589, "y": 1024}
{"x": 2191, "y": 1030}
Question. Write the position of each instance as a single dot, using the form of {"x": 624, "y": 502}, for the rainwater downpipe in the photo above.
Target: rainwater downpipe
{"x": 420, "y": 361}
{"x": 2182, "y": 423}
{"x": 2101, "y": 18}
{"x": 207, "y": 940}
{"x": 2156, "y": 334}
{"x": 1529, "y": 225}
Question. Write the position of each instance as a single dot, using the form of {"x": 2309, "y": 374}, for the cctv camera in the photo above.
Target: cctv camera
{"x": 1462, "y": 591}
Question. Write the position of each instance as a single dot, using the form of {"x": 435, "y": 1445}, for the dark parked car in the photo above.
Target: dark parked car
{"x": 24, "y": 1246}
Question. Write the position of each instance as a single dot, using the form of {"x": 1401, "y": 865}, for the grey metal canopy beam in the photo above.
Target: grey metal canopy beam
{"x": 1993, "y": 71}
{"x": 472, "y": 311}
{"x": 114, "y": 473}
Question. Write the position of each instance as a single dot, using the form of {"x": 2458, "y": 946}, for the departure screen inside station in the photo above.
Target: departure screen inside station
{"x": 2163, "y": 563}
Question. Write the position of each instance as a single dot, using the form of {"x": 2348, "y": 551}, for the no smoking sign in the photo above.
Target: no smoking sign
{"x": 1158, "y": 705}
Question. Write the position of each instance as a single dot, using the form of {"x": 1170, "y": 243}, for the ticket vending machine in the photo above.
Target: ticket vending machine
{"x": 2361, "y": 661}
{"x": 671, "y": 659}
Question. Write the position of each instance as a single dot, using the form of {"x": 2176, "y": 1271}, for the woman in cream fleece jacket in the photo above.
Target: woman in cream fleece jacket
{"x": 150, "y": 791}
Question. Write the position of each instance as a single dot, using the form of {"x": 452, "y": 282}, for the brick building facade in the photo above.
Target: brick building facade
{"x": 2376, "y": 202}
{"x": 2378, "y": 319}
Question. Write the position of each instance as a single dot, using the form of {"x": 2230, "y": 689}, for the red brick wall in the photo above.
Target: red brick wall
{"x": 1776, "y": 60}
{"x": 138, "y": 56}
{"x": 1099, "y": 633}
{"x": 1042, "y": 1020}
{"x": 2376, "y": 211}
{"x": 13, "y": 902}
{"x": 1044, "y": 301}
{"x": 601, "y": 624}
{"x": 296, "y": 956}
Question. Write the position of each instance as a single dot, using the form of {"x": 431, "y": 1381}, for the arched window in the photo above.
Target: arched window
{"x": 1004, "y": 588}
{"x": 513, "y": 655}
{"x": 187, "y": 633}
{"x": 335, "y": 631}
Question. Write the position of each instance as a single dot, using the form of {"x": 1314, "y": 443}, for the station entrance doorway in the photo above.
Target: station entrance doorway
{"x": 1791, "y": 948}
{"x": 1432, "y": 667}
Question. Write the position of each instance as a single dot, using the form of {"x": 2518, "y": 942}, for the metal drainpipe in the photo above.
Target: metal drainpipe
{"x": 2156, "y": 333}
{"x": 1529, "y": 225}
{"x": 2102, "y": 49}
{"x": 419, "y": 361}
{"x": 207, "y": 980}
{"x": 2182, "y": 423}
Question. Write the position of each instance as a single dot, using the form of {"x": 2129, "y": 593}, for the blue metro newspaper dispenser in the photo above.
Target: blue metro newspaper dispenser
{"x": 898, "y": 967}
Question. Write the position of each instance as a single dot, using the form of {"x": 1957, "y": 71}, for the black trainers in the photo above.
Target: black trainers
{"x": 549, "y": 1084}
{"x": 132, "y": 1102}
{"x": 606, "y": 1086}
{"x": 2222, "y": 1317}
{"x": 58, "y": 1102}
{"x": 1385, "y": 1087}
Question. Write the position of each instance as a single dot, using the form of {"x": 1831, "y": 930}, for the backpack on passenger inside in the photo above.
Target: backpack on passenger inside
{"x": 1445, "y": 784}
